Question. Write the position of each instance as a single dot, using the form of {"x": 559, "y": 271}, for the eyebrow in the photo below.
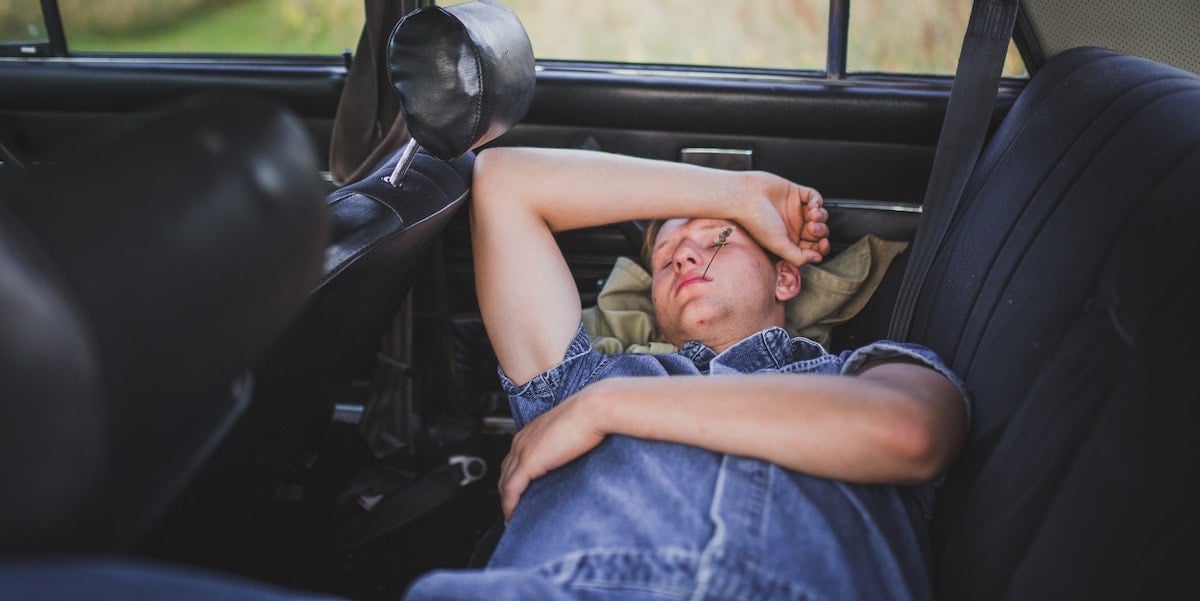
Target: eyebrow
{"x": 714, "y": 224}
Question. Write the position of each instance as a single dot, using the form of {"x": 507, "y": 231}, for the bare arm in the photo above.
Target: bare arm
{"x": 895, "y": 422}
{"x": 521, "y": 196}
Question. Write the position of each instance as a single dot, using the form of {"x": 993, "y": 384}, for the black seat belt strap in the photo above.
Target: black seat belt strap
{"x": 968, "y": 114}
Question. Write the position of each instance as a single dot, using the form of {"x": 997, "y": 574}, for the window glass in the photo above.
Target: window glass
{"x": 212, "y": 26}
{"x": 771, "y": 34}
{"x": 21, "y": 21}
{"x": 913, "y": 36}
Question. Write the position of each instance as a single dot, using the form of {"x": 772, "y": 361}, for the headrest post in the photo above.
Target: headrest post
{"x": 407, "y": 154}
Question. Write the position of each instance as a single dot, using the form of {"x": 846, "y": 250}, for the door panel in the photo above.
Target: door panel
{"x": 49, "y": 107}
{"x": 853, "y": 140}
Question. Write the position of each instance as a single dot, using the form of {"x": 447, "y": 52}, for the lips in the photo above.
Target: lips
{"x": 688, "y": 280}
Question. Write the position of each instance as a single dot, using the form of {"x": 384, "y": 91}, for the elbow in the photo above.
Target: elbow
{"x": 926, "y": 444}
{"x": 922, "y": 458}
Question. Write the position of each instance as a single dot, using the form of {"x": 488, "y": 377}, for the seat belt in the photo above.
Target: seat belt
{"x": 968, "y": 114}
{"x": 387, "y": 513}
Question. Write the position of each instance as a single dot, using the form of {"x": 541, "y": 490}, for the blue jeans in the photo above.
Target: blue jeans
{"x": 708, "y": 526}
{"x": 124, "y": 579}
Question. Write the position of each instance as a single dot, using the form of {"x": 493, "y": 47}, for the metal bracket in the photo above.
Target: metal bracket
{"x": 473, "y": 468}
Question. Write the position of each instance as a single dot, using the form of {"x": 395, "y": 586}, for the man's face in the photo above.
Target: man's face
{"x": 735, "y": 298}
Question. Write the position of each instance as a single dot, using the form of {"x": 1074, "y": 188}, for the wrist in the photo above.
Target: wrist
{"x": 601, "y": 405}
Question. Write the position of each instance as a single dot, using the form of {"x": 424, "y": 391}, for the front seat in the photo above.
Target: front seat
{"x": 464, "y": 76}
{"x": 135, "y": 287}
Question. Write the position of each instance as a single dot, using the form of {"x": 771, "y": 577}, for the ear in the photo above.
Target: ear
{"x": 787, "y": 281}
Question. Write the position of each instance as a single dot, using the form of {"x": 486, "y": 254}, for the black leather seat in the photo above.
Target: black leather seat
{"x": 1065, "y": 297}
{"x": 137, "y": 285}
{"x": 464, "y": 76}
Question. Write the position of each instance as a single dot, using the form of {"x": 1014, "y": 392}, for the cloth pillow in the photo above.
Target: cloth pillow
{"x": 831, "y": 293}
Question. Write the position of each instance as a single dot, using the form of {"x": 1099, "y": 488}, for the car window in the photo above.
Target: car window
{"x": 911, "y": 37}
{"x": 212, "y": 26}
{"x": 21, "y": 23}
{"x": 915, "y": 36}
{"x": 770, "y": 34}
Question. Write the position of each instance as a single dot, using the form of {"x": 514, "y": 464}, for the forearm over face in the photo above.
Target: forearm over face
{"x": 570, "y": 189}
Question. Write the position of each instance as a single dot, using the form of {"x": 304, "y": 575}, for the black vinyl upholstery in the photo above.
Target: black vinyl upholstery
{"x": 1065, "y": 296}
{"x": 138, "y": 285}
{"x": 379, "y": 238}
{"x": 465, "y": 76}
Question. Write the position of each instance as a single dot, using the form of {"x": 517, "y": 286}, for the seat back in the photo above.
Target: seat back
{"x": 465, "y": 76}
{"x": 1063, "y": 295}
{"x": 138, "y": 284}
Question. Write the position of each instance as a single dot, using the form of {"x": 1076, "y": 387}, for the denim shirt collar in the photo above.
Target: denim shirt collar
{"x": 769, "y": 349}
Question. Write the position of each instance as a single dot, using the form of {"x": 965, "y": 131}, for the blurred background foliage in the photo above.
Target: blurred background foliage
{"x": 21, "y": 20}
{"x": 236, "y": 26}
{"x": 772, "y": 34}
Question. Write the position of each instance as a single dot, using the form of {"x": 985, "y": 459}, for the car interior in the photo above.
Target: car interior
{"x": 226, "y": 376}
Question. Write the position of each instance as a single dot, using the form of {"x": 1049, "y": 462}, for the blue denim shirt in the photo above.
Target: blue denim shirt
{"x": 636, "y": 519}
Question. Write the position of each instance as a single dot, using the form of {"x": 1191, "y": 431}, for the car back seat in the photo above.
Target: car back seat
{"x": 1064, "y": 295}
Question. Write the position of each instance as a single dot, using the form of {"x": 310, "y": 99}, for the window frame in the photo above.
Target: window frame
{"x": 835, "y": 71}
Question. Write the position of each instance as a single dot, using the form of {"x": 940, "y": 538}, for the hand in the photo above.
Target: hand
{"x": 788, "y": 219}
{"x": 814, "y": 233}
{"x": 553, "y": 440}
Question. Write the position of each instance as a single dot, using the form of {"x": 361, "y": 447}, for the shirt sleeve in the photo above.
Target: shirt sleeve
{"x": 529, "y": 400}
{"x": 854, "y": 361}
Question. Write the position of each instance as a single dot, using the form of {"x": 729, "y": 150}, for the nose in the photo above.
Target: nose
{"x": 687, "y": 256}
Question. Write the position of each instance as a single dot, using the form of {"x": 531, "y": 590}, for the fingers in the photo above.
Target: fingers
{"x": 511, "y": 490}
{"x": 815, "y": 217}
{"x": 814, "y": 236}
{"x": 512, "y": 484}
{"x": 814, "y": 232}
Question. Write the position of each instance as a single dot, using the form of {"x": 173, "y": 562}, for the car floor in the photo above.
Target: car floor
{"x": 290, "y": 540}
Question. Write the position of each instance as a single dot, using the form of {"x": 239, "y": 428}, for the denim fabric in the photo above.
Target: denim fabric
{"x": 113, "y": 578}
{"x": 641, "y": 519}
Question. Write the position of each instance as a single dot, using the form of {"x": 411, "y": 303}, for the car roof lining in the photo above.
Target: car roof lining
{"x": 1167, "y": 31}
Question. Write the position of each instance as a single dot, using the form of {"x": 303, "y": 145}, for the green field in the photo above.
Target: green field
{"x": 242, "y": 26}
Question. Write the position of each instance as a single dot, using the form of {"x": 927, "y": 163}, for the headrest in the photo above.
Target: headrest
{"x": 173, "y": 237}
{"x": 465, "y": 74}
{"x": 174, "y": 256}
{"x": 52, "y": 420}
